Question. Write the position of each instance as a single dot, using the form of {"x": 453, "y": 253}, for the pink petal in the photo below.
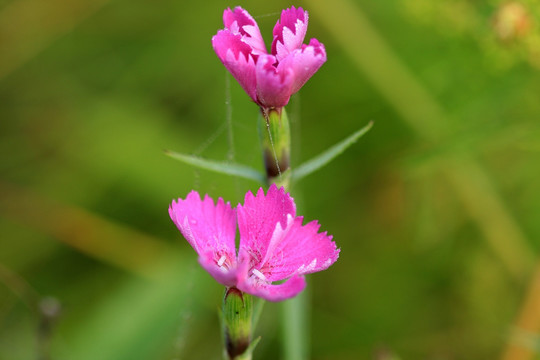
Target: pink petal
{"x": 239, "y": 21}
{"x": 237, "y": 58}
{"x": 289, "y": 32}
{"x": 273, "y": 84}
{"x": 280, "y": 292}
{"x": 304, "y": 63}
{"x": 210, "y": 229}
{"x": 297, "y": 250}
{"x": 258, "y": 219}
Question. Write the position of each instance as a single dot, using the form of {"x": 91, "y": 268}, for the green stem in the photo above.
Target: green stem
{"x": 274, "y": 132}
{"x": 295, "y": 314}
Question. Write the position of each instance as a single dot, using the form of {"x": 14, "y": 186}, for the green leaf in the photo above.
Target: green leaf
{"x": 227, "y": 168}
{"x": 322, "y": 159}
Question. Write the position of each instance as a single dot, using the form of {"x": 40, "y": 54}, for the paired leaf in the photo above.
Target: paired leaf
{"x": 322, "y": 159}
{"x": 246, "y": 172}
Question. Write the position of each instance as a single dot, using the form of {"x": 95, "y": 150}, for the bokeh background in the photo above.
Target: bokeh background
{"x": 436, "y": 209}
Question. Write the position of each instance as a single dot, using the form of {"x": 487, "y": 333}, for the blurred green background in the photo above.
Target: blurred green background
{"x": 436, "y": 209}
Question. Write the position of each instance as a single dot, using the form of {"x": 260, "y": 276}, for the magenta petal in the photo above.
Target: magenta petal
{"x": 269, "y": 79}
{"x": 304, "y": 63}
{"x": 210, "y": 229}
{"x": 239, "y": 21}
{"x": 289, "y": 32}
{"x": 279, "y": 292}
{"x": 259, "y": 217}
{"x": 273, "y": 84}
{"x": 298, "y": 250}
{"x": 237, "y": 58}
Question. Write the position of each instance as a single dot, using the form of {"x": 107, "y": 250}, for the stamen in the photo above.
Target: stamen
{"x": 259, "y": 274}
{"x": 221, "y": 260}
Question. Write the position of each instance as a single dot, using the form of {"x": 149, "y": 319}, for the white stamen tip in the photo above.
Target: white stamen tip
{"x": 221, "y": 260}
{"x": 259, "y": 274}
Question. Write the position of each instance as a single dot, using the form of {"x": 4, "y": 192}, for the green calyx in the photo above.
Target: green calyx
{"x": 236, "y": 318}
{"x": 275, "y": 134}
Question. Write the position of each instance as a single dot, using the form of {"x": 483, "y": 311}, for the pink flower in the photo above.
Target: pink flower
{"x": 269, "y": 79}
{"x": 274, "y": 245}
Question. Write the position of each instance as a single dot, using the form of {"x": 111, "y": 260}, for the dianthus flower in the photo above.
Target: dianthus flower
{"x": 274, "y": 245}
{"x": 268, "y": 78}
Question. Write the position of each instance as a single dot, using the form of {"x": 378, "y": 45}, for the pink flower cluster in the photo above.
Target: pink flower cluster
{"x": 269, "y": 79}
{"x": 274, "y": 244}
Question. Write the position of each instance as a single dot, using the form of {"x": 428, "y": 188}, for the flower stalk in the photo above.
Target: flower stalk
{"x": 276, "y": 146}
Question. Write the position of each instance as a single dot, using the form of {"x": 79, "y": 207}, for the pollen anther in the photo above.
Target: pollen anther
{"x": 221, "y": 260}
{"x": 259, "y": 274}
